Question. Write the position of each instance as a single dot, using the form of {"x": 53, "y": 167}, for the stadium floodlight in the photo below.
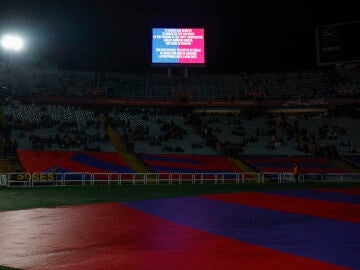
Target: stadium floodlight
{"x": 12, "y": 43}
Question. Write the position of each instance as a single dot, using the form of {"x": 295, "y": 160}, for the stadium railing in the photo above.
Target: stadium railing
{"x": 90, "y": 179}
{"x": 3, "y": 181}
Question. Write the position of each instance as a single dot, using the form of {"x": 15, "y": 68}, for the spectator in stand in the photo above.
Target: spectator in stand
{"x": 296, "y": 172}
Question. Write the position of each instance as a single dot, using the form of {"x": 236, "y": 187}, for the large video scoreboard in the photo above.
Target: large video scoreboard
{"x": 178, "y": 46}
{"x": 338, "y": 43}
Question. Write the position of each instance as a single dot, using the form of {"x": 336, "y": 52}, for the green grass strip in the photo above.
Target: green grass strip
{"x": 15, "y": 198}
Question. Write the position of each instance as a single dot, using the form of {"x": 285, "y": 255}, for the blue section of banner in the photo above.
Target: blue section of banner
{"x": 324, "y": 239}
{"x": 97, "y": 163}
{"x": 317, "y": 194}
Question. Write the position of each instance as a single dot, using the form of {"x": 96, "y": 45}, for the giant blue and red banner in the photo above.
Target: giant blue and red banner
{"x": 178, "y": 46}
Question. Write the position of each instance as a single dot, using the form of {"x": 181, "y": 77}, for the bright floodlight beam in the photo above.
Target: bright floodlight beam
{"x": 12, "y": 43}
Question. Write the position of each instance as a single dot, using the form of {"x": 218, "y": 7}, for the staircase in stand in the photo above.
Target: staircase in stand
{"x": 244, "y": 167}
{"x": 241, "y": 165}
{"x": 9, "y": 162}
{"x": 10, "y": 165}
{"x": 313, "y": 148}
{"x": 134, "y": 162}
{"x": 346, "y": 165}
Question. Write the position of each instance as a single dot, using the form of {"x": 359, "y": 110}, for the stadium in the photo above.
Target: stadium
{"x": 179, "y": 164}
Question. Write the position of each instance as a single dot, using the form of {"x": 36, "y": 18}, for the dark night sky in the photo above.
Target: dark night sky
{"x": 116, "y": 35}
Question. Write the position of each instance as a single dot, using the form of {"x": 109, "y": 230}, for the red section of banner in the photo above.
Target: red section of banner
{"x": 43, "y": 160}
{"x": 114, "y": 236}
{"x": 313, "y": 207}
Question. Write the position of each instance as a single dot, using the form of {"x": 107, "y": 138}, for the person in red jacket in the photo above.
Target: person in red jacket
{"x": 296, "y": 172}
